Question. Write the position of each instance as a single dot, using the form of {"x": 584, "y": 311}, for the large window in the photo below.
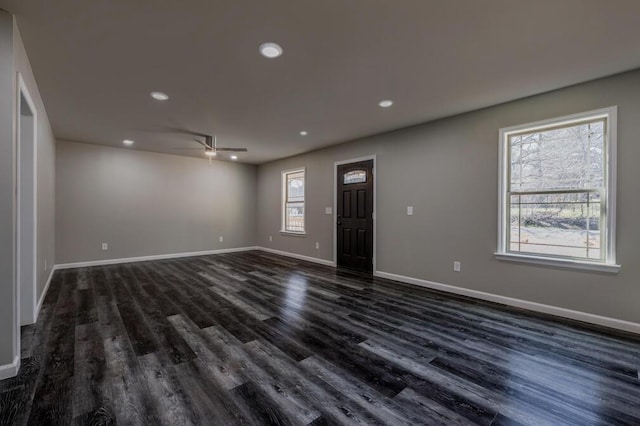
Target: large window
{"x": 293, "y": 201}
{"x": 557, "y": 195}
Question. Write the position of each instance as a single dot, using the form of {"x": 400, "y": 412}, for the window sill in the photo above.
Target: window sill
{"x": 560, "y": 263}
{"x": 293, "y": 234}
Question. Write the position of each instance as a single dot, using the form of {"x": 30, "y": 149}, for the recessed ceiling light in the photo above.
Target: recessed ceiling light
{"x": 127, "y": 142}
{"x": 210, "y": 153}
{"x": 385, "y": 103}
{"x": 270, "y": 50}
{"x": 304, "y": 133}
{"x": 159, "y": 96}
{"x": 234, "y": 157}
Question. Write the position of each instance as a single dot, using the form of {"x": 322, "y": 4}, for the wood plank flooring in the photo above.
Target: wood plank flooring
{"x": 253, "y": 338}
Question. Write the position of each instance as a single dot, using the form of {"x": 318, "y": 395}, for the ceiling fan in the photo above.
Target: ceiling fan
{"x": 210, "y": 144}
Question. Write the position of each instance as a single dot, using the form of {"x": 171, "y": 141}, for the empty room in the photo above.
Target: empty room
{"x": 373, "y": 212}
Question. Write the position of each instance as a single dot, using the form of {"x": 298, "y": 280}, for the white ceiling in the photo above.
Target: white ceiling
{"x": 96, "y": 62}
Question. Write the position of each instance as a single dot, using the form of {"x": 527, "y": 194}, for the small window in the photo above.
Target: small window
{"x": 354, "y": 176}
{"x": 293, "y": 206}
{"x": 558, "y": 189}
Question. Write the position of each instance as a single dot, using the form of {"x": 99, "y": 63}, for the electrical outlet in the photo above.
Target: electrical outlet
{"x": 409, "y": 210}
{"x": 456, "y": 266}
{"x": 221, "y": 238}
{"x": 105, "y": 246}
{"x": 317, "y": 245}
{"x": 270, "y": 237}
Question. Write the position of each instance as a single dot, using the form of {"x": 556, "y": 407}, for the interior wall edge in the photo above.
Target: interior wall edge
{"x": 44, "y": 157}
{"x": 9, "y": 315}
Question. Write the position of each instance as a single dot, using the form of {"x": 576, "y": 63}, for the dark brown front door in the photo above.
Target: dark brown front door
{"x": 355, "y": 216}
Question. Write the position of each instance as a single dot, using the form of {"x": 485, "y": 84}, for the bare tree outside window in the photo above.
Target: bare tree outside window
{"x": 294, "y": 201}
{"x": 556, "y": 187}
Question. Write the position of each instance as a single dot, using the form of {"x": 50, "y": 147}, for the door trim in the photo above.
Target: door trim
{"x": 26, "y": 217}
{"x": 335, "y": 205}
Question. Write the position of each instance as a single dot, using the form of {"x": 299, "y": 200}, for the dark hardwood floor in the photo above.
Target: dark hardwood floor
{"x": 254, "y": 338}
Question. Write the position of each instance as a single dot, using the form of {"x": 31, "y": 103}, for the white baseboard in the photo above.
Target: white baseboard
{"x": 44, "y": 293}
{"x": 10, "y": 370}
{"x": 531, "y": 306}
{"x": 148, "y": 258}
{"x": 297, "y": 256}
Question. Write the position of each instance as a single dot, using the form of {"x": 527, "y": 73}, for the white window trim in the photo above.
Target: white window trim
{"x": 283, "y": 203}
{"x": 609, "y": 264}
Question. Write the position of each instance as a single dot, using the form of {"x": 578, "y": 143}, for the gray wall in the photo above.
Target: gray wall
{"x": 13, "y": 59}
{"x": 7, "y": 187}
{"x": 447, "y": 168}
{"x": 144, "y": 203}
{"x": 46, "y": 145}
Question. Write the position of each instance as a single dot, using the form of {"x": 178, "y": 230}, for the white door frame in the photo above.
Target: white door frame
{"x": 26, "y": 219}
{"x": 335, "y": 205}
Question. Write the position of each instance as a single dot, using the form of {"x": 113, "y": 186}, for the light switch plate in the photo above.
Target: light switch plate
{"x": 409, "y": 210}
{"x": 328, "y": 210}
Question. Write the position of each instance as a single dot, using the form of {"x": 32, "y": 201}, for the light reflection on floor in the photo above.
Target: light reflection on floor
{"x": 295, "y": 297}
{"x": 536, "y": 368}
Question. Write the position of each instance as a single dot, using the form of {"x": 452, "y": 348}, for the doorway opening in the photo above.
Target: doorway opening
{"x": 354, "y": 214}
{"x": 26, "y": 253}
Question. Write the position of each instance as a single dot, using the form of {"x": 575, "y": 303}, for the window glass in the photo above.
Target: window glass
{"x": 556, "y": 189}
{"x": 293, "y": 209}
{"x": 354, "y": 176}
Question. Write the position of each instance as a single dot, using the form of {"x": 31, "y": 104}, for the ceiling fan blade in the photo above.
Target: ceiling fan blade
{"x": 231, "y": 149}
{"x": 187, "y": 131}
{"x": 204, "y": 144}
